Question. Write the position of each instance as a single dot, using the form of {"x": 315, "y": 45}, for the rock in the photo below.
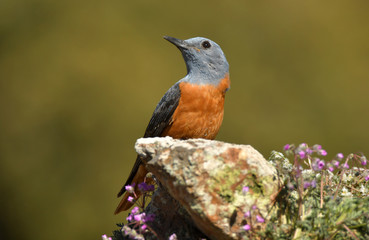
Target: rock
{"x": 201, "y": 192}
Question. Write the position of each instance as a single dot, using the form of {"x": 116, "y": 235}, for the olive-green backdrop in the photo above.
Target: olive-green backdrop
{"x": 79, "y": 81}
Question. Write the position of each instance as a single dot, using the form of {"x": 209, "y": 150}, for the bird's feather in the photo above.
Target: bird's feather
{"x": 160, "y": 119}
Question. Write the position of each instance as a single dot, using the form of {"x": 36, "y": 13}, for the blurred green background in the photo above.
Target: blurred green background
{"x": 79, "y": 81}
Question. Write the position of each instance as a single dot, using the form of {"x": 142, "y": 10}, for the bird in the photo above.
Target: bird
{"x": 192, "y": 108}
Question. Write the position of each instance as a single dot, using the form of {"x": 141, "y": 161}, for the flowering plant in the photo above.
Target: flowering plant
{"x": 137, "y": 219}
{"x": 318, "y": 199}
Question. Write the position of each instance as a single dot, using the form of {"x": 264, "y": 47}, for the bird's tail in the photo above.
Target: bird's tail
{"x": 137, "y": 176}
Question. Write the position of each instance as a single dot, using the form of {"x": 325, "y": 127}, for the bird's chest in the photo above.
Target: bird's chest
{"x": 199, "y": 113}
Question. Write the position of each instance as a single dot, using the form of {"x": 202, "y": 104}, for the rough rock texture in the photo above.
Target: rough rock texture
{"x": 201, "y": 181}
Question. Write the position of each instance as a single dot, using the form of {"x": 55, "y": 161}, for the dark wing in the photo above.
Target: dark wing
{"x": 159, "y": 121}
{"x": 163, "y": 112}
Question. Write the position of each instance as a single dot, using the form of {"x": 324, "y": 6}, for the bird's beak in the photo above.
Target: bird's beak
{"x": 177, "y": 42}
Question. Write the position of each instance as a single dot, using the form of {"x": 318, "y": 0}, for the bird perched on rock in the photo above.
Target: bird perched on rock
{"x": 192, "y": 108}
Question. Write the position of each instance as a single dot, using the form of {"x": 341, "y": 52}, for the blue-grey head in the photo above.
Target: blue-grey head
{"x": 205, "y": 60}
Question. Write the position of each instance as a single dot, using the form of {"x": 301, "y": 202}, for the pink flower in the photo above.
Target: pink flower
{"x": 286, "y": 147}
{"x": 317, "y": 147}
{"x": 345, "y": 165}
{"x": 303, "y": 145}
{"x": 173, "y": 237}
{"x": 129, "y": 188}
{"x": 247, "y": 214}
{"x": 245, "y": 189}
{"x": 363, "y": 160}
{"x": 340, "y": 156}
{"x": 135, "y": 210}
{"x": 260, "y": 219}
{"x": 104, "y": 237}
{"x": 323, "y": 152}
{"x": 143, "y": 227}
{"x": 139, "y": 217}
{"x": 246, "y": 227}
{"x": 321, "y": 164}
{"x": 309, "y": 151}
{"x": 302, "y": 154}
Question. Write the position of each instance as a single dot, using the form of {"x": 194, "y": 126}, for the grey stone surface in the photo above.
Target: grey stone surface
{"x": 200, "y": 186}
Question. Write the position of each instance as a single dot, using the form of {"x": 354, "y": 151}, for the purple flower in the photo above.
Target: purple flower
{"x": 323, "y": 152}
{"x": 317, "y": 165}
{"x": 331, "y": 169}
{"x": 309, "y": 151}
{"x": 321, "y": 164}
{"x": 245, "y": 189}
{"x": 286, "y": 147}
{"x": 247, "y": 214}
{"x": 129, "y": 218}
{"x": 149, "y": 218}
{"x": 131, "y": 199}
{"x": 313, "y": 184}
{"x": 340, "y": 156}
{"x": 367, "y": 178}
{"x": 144, "y": 187}
{"x": 246, "y": 227}
{"x": 345, "y": 165}
{"x": 254, "y": 207}
{"x": 302, "y": 154}
{"x": 260, "y": 219}
{"x": 306, "y": 185}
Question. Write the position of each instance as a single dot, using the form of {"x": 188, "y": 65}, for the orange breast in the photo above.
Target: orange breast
{"x": 199, "y": 113}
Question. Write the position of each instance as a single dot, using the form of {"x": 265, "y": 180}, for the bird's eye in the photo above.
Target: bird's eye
{"x": 205, "y": 44}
